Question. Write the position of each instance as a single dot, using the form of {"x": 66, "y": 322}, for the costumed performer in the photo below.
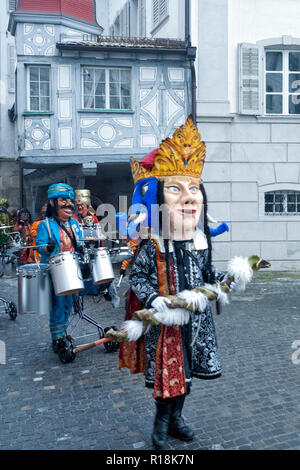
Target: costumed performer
{"x": 59, "y": 232}
{"x": 84, "y": 206}
{"x": 6, "y": 220}
{"x": 173, "y": 263}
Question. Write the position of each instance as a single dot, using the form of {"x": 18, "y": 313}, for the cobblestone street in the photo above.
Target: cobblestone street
{"x": 90, "y": 404}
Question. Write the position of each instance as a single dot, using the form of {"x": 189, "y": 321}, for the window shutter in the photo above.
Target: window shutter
{"x": 163, "y": 9}
{"x": 11, "y": 68}
{"x": 250, "y": 79}
{"x": 126, "y": 19}
{"x": 155, "y": 12}
{"x": 11, "y": 5}
{"x": 142, "y": 18}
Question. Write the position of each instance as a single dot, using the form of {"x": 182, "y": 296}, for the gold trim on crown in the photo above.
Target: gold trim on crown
{"x": 83, "y": 196}
{"x": 183, "y": 154}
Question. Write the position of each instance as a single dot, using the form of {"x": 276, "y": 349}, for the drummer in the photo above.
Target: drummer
{"x": 5, "y": 220}
{"x": 58, "y": 232}
{"x": 84, "y": 207}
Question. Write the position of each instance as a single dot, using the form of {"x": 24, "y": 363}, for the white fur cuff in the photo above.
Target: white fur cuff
{"x": 173, "y": 316}
{"x": 196, "y": 300}
{"x": 241, "y": 270}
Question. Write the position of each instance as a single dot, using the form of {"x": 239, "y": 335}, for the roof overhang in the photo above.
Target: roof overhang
{"x": 188, "y": 51}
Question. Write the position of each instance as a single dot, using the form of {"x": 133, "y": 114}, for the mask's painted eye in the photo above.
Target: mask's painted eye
{"x": 194, "y": 189}
{"x": 145, "y": 189}
{"x": 173, "y": 189}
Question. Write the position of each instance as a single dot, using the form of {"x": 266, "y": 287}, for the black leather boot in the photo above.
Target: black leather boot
{"x": 177, "y": 427}
{"x": 161, "y": 423}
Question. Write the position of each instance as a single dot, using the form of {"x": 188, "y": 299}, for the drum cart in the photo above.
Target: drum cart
{"x": 78, "y": 306}
{"x": 117, "y": 255}
{"x": 9, "y": 249}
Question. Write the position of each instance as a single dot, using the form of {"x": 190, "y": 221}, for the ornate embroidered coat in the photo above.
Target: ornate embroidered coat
{"x": 202, "y": 360}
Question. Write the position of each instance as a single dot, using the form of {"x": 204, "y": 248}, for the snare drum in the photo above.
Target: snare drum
{"x": 118, "y": 255}
{"x": 92, "y": 233}
{"x": 66, "y": 273}
{"x": 34, "y": 289}
{"x": 101, "y": 267}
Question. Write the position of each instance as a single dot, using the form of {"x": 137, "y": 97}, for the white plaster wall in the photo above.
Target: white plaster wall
{"x": 106, "y": 12}
{"x": 254, "y": 20}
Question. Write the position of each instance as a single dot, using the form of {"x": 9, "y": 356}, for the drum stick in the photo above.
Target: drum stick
{"x": 34, "y": 247}
{"x": 85, "y": 347}
{"x": 48, "y": 228}
{"x": 120, "y": 280}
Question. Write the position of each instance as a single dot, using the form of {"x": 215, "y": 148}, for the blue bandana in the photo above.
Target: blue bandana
{"x": 60, "y": 190}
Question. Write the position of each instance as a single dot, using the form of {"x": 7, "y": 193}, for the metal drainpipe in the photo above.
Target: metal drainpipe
{"x": 21, "y": 183}
{"x": 192, "y": 59}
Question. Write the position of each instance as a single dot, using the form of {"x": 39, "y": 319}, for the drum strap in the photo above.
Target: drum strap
{"x": 72, "y": 237}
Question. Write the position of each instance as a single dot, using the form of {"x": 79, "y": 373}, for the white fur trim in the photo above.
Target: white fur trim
{"x": 134, "y": 329}
{"x": 173, "y": 316}
{"x": 222, "y": 296}
{"x": 241, "y": 270}
{"x": 196, "y": 300}
{"x": 211, "y": 219}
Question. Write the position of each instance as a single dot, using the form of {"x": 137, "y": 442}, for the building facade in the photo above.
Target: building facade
{"x": 9, "y": 168}
{"x": 97, "y": 86}
{"x": 248, "y": 112}
{"x": 86, "y": 103}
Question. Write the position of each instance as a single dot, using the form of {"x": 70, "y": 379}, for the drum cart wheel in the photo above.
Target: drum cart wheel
{"x": 66, "y": 353}
{"x": 111, "y": 346}
{"x": 9, "y": 308}
{"x": 12, "y": 310}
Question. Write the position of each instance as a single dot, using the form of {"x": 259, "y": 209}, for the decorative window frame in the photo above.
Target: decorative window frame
{"x": 107, "y": 96}
{"x": 251, "y": 76}
{"x": 276, "y": 187}
{"x": 27, "y": 68}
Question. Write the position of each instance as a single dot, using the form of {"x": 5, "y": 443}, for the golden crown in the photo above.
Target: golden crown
{"x": 83, "y": 196}
{"x": 183, "y": 154}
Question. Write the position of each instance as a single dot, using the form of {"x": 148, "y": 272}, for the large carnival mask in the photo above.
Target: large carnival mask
{"x": 184, "y": 202}
{"x": 179, "y": 163}
{"x": 82, "y": 210}
{"x": 65, "y": 208}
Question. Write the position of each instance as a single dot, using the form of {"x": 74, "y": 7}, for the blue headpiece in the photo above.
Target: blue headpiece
{"x": 60, "y": 190}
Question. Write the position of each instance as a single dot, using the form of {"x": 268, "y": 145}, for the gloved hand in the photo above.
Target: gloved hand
{"x": 80, "y": 249}
{"x": 122, "y": 272}
{"x": 232, "y": 285}
{"x": 160, "y": 303}
{"x": 50, "y": 246}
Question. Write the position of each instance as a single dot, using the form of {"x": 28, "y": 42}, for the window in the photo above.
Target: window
{"x": 159, "y": 11}
{"x": 282, "y": 203}
{"x": 11, "y": 68}
{"x": 106, "y": 88}
{"x": 39, "y": 88}
{"x": 11, "y": 5}
{"x": 269, "y": 77}
{"x": 282, "y": 82}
